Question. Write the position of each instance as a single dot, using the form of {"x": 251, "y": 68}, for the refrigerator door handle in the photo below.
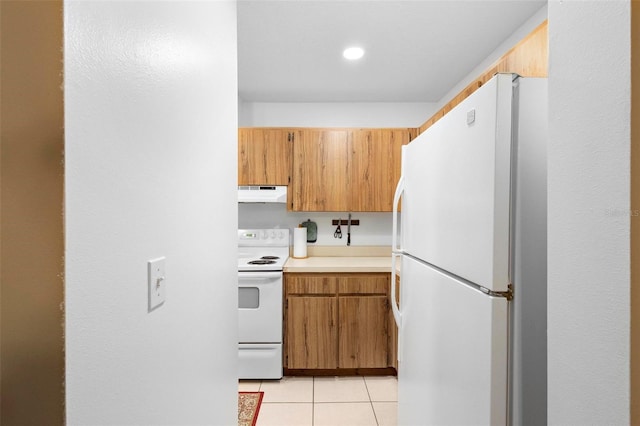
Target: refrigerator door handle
{"x": 396, "y": 251}
{"x": 395, "y": 243}
{"x": 397, "y": 316}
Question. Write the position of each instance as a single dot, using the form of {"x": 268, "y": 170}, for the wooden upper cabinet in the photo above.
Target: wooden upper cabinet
{"x": 320, "y": 178}
{"x": 339, "y": 170}
{"x": 264, "y": 156}
{"x": 374, "y": 168}
{"x": 346, "y": 170}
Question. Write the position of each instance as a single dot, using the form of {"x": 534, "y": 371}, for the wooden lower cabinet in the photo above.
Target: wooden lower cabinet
{"x": 312, "y": 339}
{"x": 363, "y": 340}
{"x": 338, "y": 322}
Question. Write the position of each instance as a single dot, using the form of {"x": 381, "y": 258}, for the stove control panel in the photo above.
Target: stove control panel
{"x": 263, "y": 237}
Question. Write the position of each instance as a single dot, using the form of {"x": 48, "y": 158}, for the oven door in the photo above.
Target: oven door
{"x": 260, "y": 307}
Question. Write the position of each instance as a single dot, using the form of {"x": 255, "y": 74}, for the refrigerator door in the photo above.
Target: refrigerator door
{"x": 456, "y": 200}
{"x": 453, "y": 367}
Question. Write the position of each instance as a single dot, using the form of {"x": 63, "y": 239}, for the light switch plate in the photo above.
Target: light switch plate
{"x": 471, "y": 117}
{"x": 157, "y": 282}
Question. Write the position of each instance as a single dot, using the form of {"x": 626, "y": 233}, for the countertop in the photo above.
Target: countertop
{"x": 339, "y": 264}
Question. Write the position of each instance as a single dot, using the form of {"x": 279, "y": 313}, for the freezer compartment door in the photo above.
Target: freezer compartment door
{"x": 456, "y": 201}
{"x": 453, "y": 368}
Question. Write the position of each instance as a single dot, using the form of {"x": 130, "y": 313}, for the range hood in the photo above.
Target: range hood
{"x": 262, "y": 194}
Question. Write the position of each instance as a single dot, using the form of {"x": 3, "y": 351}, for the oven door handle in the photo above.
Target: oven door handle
{"x": 259, "y": 275}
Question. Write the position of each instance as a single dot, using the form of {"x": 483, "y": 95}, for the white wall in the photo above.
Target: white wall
{"x": 151, "y": 119}
{"x": 588, "y": 208}
{"x": 374, "y": 228}
{"x": 531, "y": 23}
{"x": 328, "y": 114}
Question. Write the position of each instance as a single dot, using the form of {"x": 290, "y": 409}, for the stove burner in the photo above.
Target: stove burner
{"x": 270, "y": 257}
{"x": 261, "y": 262}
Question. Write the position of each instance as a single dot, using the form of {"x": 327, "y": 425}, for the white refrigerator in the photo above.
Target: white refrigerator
{"x": 470, "y": 249}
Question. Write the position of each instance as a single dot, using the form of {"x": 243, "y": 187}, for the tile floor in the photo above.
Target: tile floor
{"x": 327, "y": 401}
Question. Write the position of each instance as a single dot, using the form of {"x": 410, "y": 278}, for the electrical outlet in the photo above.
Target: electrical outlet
{"x": 157, "y": 282}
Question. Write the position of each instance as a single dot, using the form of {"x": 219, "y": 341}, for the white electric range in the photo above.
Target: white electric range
{"x": 262, "y": 254}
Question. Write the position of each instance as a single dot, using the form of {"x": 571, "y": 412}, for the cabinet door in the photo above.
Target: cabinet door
{"x": 374, "y": 168}
{"x": 320, "y": 179}
{"x": 363, "y": 335}
{"x": 312, "y": 332}
{"x": 363, "y": 309}
{"x": 264, "y": 156}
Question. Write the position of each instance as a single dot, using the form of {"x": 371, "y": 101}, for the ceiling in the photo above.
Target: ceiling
{"x": 416, "y": 50}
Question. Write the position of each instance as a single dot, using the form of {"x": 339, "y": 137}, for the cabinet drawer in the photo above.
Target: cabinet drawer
{"x": 310, "y": 284}
{"x": 364, "y": 284}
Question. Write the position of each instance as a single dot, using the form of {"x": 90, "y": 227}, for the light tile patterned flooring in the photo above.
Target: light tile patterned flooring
{"x": 327, "y": 401}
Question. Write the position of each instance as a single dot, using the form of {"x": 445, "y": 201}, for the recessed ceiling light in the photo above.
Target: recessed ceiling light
{"x": 353, "y": 53}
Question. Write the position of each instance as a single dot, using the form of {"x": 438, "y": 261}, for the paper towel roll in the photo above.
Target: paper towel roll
{"x": 299, "y": 243}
